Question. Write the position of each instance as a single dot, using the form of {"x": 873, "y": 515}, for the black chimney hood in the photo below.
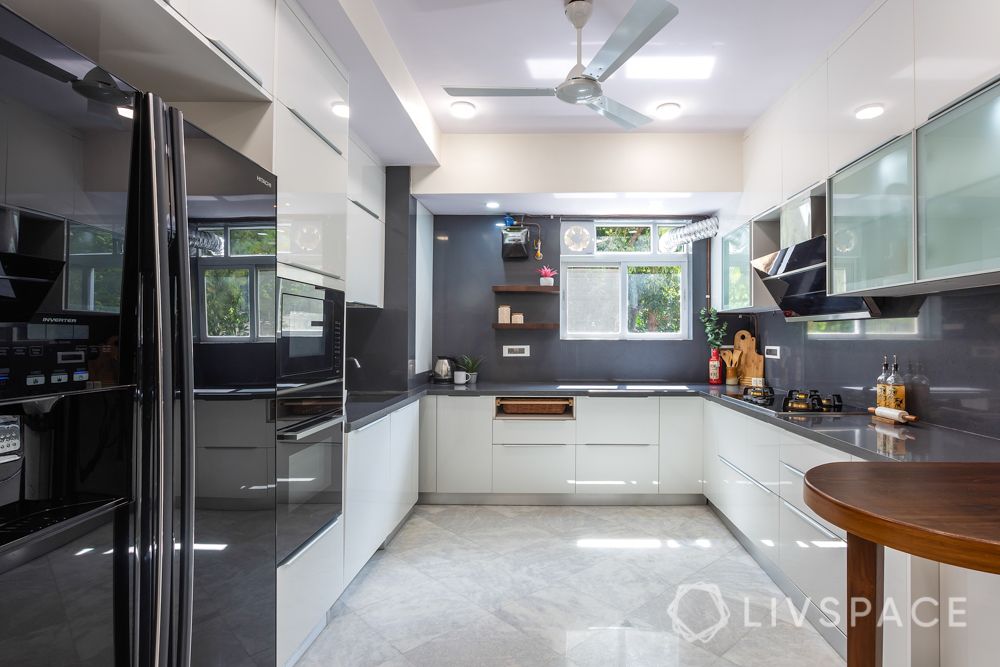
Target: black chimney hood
{"x": 796, "y": 279}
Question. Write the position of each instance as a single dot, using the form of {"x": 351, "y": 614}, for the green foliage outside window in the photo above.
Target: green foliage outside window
{"x": 227, "y": 302}
{"x": 247, "y": 242}
{"x": 654, "y": 299}
{"x": 616, "y": 238}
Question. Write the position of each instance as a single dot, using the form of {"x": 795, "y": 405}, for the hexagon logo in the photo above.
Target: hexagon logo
{"x": 703, "y": 635}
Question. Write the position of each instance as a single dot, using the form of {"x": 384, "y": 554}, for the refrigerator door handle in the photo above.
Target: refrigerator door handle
{"x": 184, "y": 337}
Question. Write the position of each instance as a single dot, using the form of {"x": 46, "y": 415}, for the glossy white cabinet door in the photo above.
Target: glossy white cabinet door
{"x": 312, "y": 206}
{"x": 714, "y": 430}
{"x": 307, "y": 81}
{"x": 242, "y": 29}
{"x": 368, "y": 506}
{"x": 465, "y": 444}
{"x": 533, "y": 468}
{"x": 753, "y": 509}
{"x": 365, "y": 257}
{"x": 308, "y": 586}
{"x": 366, "y": 180}
{"x": 874, "y": 65}
{"x": 617, "y": 469}
{"x": 534, "y": 432}
{"x": 681, "y": 443}
{"x": 762, "y": 165}
{"x": 752, "y": 446}
{"x": 956, "y": 50}
{"x": 803, "y": 137}
{"x": 404, "y": 445}
{"x": 815, "y": 559}
{"x": 428, "y": 444}
{"x": 792, "y": 486}
{"x": 618, "y": 421}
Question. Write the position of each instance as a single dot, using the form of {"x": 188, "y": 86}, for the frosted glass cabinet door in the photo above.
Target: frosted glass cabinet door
{"x": 736, "y": 269}
{"x": 958, "y": 172}
{"x": 796, "y": 221}
{"x": 871, "y": 221}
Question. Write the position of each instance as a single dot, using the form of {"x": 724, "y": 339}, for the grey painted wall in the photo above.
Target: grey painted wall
{"x": 466, "y": 266}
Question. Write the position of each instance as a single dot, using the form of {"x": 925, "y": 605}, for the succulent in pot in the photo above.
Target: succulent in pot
{"x": 471, "y": 366}
{"x": 546, "y": 276}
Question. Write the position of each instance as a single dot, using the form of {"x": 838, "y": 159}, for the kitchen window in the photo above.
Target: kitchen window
{"x": 93, "y": 269}
{"x": 626, "y": 287}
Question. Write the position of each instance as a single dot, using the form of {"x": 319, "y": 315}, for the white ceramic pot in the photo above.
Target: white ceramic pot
{"x": 461, "y": 377}
{"x": 546, "y": 282}
{"x": 473, "y": 377}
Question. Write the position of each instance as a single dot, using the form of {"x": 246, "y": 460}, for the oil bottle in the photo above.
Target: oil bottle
{"x": 896, "y": 393}
{"x": 882, "y": 384}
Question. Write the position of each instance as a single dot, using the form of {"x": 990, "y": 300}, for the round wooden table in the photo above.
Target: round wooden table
{"x": 946, "y": 512}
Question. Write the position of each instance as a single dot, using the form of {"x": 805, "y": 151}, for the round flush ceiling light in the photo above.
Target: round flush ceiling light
{"x": 668, "y": 111}
{"x": 341, "y": 110}
{"x": 463, "y": 109}
{"x": 869, "y": 111}
{"x": 493, "y": 204}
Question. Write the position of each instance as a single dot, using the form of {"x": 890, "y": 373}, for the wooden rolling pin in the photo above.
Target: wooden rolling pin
{"x": 900, "y": 416}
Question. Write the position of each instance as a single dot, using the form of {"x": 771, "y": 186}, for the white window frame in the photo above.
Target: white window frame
{"x": 623, "y": 260}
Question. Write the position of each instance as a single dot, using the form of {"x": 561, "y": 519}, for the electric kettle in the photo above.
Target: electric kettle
{"x": 444, "y": 369}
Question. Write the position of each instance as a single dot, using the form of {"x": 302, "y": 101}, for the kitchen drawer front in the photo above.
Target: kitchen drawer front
{"x": 752, "y": 508}
{"x": 618, "y": 421}
{"x": 804, "y": 455}
{"x": 534, "y": 432}
{"x": 681, "y": 444}
{"x": 617, "y": 469}
{"x": 814, "y": 559}
{"x": 753, "y": 446}
{"x": 792, "y": 484}
{"x": 533, "y": 468}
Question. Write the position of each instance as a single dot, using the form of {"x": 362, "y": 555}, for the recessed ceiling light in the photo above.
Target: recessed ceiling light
{"x": 668, "y": 111}
{"x": 869, "y": 111}
{"x": 341, "y": 110}
{"x": 126, "y": 112}
{"x": 463, "y": 109}
{"x": 670, "y": 67}
{"x": 492, "y": 204}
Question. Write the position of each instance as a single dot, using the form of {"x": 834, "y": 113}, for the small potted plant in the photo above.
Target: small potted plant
{"x": 715, "y": 331}
{"x": 547, "y": 276}
{"x": 471, "y": 366}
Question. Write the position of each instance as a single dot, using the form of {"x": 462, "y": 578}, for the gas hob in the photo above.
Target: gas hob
{"x": 800, "y": 402}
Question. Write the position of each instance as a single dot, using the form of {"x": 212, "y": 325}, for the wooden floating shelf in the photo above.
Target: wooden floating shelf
{"x": 530, "y": 326}
{"x": 526, "y": 289}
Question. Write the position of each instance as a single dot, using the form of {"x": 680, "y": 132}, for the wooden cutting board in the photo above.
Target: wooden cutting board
{"x": 751, "y": 363}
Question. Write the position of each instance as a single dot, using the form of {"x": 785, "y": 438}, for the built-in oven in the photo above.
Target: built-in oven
{"x": 310, "y": 454}
{"x": 311, "y": 339}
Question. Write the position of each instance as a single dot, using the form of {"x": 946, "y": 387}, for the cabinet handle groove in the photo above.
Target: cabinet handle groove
{"x": 745, "y": 476}
{"x": 365, "y": 209}
{"x": 795, "y": 471}
{"x": 315, "y": 130}
{"x": 229, "y": 53}
{"x": 811, "y": 521}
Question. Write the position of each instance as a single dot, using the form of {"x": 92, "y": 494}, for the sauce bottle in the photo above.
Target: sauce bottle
{"x": 882, "y": 384}
{"x": 896, "y": 388}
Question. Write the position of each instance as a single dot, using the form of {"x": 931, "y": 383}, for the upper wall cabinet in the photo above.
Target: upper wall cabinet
{"x": 308, "y": 82}
{"x": 956, "y": 50}
{"x": 742, "y": 290}
{"x": 242, "y": 29}
{"x": 803, "y": 137}
{"x": 762, "y": 166}
{"x": 365, "y": 180}
{"x": 874, "y": 66}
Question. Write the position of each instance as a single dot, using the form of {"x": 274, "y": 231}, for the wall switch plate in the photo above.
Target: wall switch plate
{"x": 772, "y": 352}
{"x": 517, "y": 350}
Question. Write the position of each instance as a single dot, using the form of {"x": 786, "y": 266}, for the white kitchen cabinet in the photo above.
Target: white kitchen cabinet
{"x": 874, "y": 65}
{"x": 681, "y": 442}
{"x": 752, "y": 508}
{"x": 307, "y": 80}
{"x": 368, "y": 503}
{"x": 803, "y": 137}
{"x": 465, "y": 444}
{"x": 815, "y": 559}
{"x": 366, "y": 180}
{"x": 752, "y": 446}
{"x": 714, "y": 421}
{"x": 792, "y": 485}
{"x": 534, "y": 432}
{"x": 307, "y": 586}
{"x": 956, "y": 50}
{"x": 243, "y": 30}
{"x": 365, "y": 257}
{"x": 618, "y": 421}
{"x": 404, "y": 445}
{"x": 428, "y": 445}
{"x": 798, "y": 456}
{"x": 762, "y": 165}
{"x": 312, "y": 202}
{"x": 617, "y": 469}
{"x": 539, "y": 468}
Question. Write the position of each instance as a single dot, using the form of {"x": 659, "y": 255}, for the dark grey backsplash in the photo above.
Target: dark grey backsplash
{"x": 468, "y": 264}
{"x": 952, "y": 356}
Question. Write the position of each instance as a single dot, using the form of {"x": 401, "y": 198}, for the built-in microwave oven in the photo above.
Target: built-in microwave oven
{"x": 311, "y": 334}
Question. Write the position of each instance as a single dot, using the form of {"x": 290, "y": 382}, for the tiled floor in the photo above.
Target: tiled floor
{"x": 470, "y": 586}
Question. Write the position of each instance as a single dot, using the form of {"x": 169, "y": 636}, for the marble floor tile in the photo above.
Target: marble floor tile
{"x": 349, "y": 642}
{"x": 624, "y": 586}
{"x": 783, "y": 645}
{"x": 384, "y": 576}
{"x": 417, "y": 532}
{"x": 634, "y": 647}
{"x": 507, "y": 535}
{"x": 487, "y": 642}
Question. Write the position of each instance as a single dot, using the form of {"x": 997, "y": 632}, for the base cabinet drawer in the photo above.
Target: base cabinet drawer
{"x": 617, "y": 468}
{"x": 753, "y": 446}
{"x": 815, "y": 559}
{"x": 792, "y": 485}
{"x": 533, "y": 468}
{"x": 618, "y": 421}
{"x": 752, "y": 508}
{"x": 534, "y": 432}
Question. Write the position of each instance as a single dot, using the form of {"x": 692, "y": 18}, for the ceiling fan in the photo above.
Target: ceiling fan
{"x": 583, "y": 84}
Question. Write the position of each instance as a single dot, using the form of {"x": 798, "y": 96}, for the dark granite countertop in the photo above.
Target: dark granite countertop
{"x": 857, "y": 435}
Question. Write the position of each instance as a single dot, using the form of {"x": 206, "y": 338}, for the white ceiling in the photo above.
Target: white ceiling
{"x": 761, "y": 47}
{"x": 605, "y": 203}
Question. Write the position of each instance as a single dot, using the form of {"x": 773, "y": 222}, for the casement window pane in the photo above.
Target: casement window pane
{"x": 227, "y": 302}
{"x": 266, "y": 307}
{"x": 833, "y": 327}
{"x": 593, "y": 299}
{"x": 904, "y": 326}
{"x": 654, "y": 299}
{"x": 248, "y": 242}
{"x": 624, "y": 238}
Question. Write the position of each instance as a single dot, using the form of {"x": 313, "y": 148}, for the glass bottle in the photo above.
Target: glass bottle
{"x": 882, "y": 384}
{"x": 896, "y": 388}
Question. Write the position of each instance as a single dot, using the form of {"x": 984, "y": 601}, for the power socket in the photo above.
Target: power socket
{"x": 772, "y": 352}
{"x": 517, "y": 350}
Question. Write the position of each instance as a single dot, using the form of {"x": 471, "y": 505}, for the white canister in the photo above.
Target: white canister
{"x": 461, "y": 377}
{"x": 503, "y": 314}
{"x": 517, "y": 318}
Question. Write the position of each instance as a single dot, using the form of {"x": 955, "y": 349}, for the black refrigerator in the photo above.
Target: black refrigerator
{"x": 137, "y": 375}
